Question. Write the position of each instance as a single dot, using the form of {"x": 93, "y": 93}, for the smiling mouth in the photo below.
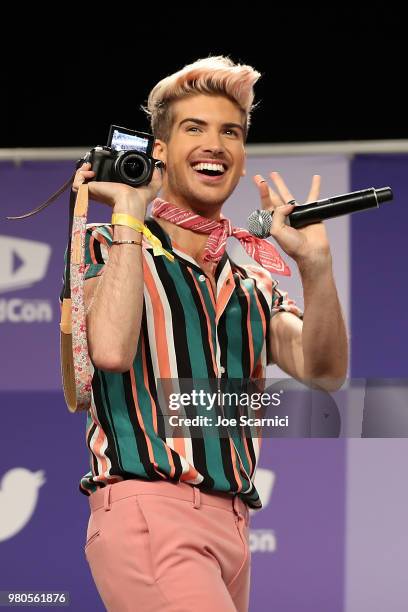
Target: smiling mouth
{"x": 210, "y": 172}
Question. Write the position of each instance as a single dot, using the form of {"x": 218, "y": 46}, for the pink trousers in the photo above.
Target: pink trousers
{"x": 168, "y": 547}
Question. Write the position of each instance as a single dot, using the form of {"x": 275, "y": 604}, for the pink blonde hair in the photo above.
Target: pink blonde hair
{"x": 211, "y": 76}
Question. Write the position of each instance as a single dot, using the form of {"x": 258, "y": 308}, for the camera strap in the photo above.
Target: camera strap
{"x": 50, "y": 200}
{"x": 76, "y": 367}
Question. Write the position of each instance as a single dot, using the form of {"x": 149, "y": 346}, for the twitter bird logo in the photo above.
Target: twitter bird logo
{"x": 18, "y": 499}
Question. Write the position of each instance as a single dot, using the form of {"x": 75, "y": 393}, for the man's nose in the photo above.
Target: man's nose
{"x": 214, "y": 149}
{"x": 214, "y": 144}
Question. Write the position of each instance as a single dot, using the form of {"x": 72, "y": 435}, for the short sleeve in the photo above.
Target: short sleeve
{"x": 281, "y": 302}
{"x": 98, "y": 240}
{"x": 275, "y": 299}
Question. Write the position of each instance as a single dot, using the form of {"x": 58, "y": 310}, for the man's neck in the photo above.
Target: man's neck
{"x": 193, "y": 243}
{"x": 190, "y": 242}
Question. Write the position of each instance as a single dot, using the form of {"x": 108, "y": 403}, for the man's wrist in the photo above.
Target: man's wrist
{"x": 316, "y": 265}
{"x": 121, "y": 232}
{"x": 131, "y": 206}
{"x": 135, "y": 209}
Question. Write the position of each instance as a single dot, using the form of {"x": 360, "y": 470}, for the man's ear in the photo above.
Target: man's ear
{"x": 160, "y": 150}
{"x": 243, "y": 173}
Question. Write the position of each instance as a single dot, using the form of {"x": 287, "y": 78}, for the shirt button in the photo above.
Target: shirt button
{"x": 201, "y": 278}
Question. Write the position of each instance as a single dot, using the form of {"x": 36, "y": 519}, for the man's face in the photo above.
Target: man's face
{"x": 205, "y": 154}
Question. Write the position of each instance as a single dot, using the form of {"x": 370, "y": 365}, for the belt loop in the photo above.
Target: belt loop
{"x": 106, "y": 498}
{"x": 197, "y": 498}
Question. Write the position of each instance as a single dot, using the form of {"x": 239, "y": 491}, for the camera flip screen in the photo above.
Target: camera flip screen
{"x": 122, "y": 141}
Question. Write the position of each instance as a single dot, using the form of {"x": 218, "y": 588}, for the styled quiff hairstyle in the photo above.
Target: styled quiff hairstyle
{"x": 211, "y": 76}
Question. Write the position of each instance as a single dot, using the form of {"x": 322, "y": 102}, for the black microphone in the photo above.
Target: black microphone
{"x": 260, "y": 221}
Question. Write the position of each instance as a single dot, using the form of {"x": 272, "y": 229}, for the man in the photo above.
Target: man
{"x": 169, "y": 523}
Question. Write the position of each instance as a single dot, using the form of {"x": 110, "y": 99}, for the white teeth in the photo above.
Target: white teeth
{"x": 214, "y": 167}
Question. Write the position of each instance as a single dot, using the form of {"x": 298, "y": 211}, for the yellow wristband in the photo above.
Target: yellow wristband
{"x": 133, "y": 223}
{"x": 128, "y": 221}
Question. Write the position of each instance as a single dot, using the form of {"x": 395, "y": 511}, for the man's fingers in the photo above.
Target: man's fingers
{"x": 284, "y": 192}
{"x": 314, "y": 189}
{"x": 279, "y": 215}
{"x": 279, "y": 219}
{"x": 269, "y": 199}
{"x": 82, "y": 175}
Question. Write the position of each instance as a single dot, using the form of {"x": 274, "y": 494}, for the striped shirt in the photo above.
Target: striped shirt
{"x": 186, "y": 332}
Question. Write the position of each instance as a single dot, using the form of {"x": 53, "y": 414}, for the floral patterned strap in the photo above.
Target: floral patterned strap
{"x": 82, "y": 365}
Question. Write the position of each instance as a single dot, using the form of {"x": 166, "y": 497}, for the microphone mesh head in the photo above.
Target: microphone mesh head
{"x": 259, "y": 223}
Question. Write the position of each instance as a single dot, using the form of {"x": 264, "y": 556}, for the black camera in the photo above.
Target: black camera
{"x": 126, "y": 158}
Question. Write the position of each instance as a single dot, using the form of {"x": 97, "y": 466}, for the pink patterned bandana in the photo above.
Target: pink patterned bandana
{"x": 259, "y": 249}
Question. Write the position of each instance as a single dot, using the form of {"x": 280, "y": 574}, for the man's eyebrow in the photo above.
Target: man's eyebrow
{"x": 193, "y": 120}
{"x": 204, "y": 123}
{"x": 233, "y": 125}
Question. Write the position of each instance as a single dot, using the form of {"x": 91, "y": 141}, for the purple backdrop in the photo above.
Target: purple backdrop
{"x": 377, "y": 495}
{"x": 306, "y": 512}
{"x": 32, "y": 357}
{"x": 305, "y": 518}
{"x": 378, "y": 256}
{"x": 47, "y": 553}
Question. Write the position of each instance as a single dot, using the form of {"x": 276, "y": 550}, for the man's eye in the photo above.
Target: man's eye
{"x": 231, "y": 132}
{"x": 193, "y": 128}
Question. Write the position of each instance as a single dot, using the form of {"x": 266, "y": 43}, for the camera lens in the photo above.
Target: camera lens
{"x": 132, "y": 168}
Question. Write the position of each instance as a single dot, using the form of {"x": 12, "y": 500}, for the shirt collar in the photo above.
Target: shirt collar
{"x": 165, "y": 239}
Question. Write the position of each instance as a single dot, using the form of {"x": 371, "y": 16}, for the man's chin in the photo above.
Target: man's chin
{"x": 209, "y": 197}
